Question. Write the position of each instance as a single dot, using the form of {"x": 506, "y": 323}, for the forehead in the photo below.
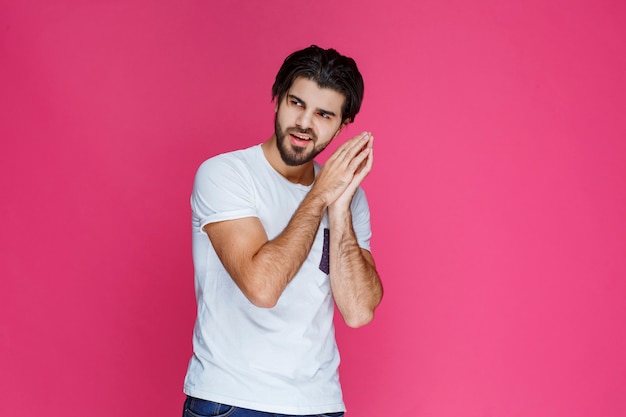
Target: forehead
{"x": 319, "y": 98}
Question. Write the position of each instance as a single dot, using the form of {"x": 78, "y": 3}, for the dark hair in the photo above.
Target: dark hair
{"x": 329, "y": 69}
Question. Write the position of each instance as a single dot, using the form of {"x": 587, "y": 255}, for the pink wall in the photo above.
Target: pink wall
{"x": 498, "y": 197}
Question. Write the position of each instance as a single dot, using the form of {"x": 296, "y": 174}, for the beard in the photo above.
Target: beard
{"x": 295, "y": 155}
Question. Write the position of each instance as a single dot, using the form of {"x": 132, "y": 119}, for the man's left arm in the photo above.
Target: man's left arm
{"x": 355, "y": 283}
{"x": 356, "y": 286}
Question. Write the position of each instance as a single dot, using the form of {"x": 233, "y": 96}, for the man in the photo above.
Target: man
{"x": 277, "y": 240}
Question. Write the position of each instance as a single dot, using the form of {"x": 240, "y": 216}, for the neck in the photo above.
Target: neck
{"x": 301, "y": 174}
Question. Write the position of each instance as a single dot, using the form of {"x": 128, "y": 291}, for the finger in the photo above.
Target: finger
{"x": 359, "y": 159}
{"x": 357, "y": 151}
{"x": 369, "y": 162}
{"x": 362, "y": 172}
{"x": 364, "y": 169}
{"x": 351, "y": 147}
{"x": 370, "y": 157}
{"x": 366, "y": 165}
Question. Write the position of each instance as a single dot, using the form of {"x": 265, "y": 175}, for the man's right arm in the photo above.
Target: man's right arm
{"x": 262, "y": 268}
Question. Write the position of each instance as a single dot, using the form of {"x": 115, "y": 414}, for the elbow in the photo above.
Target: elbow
{"x": 362, "y": 315}
{"x": 359, "y": 319}
{"x": 261, "y": 298}
{"x": 256, "y": 289}
{"x": 263, "y": 302}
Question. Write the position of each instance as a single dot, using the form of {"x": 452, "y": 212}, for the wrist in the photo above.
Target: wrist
{"x": 339, "y": 214}
{"x": 316, "y": 199}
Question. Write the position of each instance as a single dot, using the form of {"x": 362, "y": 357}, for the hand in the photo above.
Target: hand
{"x": 344, "y": 200}
{"x": 345, "y": 169}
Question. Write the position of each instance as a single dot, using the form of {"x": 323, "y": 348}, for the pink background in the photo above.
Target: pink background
{"x": 498, "y": 197}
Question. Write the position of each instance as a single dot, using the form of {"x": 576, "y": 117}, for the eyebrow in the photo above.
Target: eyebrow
{"x": 328, "y": 112}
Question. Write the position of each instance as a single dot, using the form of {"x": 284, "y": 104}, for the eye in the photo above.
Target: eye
{"x": 296, "y": 102}
{"x": 324, "y": 115}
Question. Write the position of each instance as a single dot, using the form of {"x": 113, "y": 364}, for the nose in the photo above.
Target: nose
{"x": 304, "y": 120}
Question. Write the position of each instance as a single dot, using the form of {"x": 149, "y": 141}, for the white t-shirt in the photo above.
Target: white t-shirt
{"x": 283, "y": 359}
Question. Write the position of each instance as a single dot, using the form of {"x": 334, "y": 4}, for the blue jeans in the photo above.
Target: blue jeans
{"x": 195, "y": 407}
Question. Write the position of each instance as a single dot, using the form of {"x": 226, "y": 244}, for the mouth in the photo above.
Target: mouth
{"x": 300, "y": 139}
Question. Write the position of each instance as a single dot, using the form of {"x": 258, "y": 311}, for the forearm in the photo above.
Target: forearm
{"x": 356, "y": 286}
{"x": 263, "y": 268}
{"x": 278, "y": 260}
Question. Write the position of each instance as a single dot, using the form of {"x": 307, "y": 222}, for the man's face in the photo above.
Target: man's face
{"x": 308, "y": 118}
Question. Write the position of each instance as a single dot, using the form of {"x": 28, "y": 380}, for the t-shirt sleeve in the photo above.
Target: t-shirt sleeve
{"x": 361, "y": 219}
{"x": 222, "y": 190}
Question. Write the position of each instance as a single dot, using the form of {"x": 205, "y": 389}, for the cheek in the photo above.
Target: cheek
{"x": 326, "y": 135}
{"x": 335, "y": 130}
{"x": 286, "y": 117}
{"x": 281, "y": 120}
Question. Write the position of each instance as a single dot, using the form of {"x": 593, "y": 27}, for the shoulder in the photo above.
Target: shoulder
{"x": 359, "y": 205}
{"x": 227, "y": 177}
{"x": 359, "y": 197}
{"x": 240, "y": 161}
